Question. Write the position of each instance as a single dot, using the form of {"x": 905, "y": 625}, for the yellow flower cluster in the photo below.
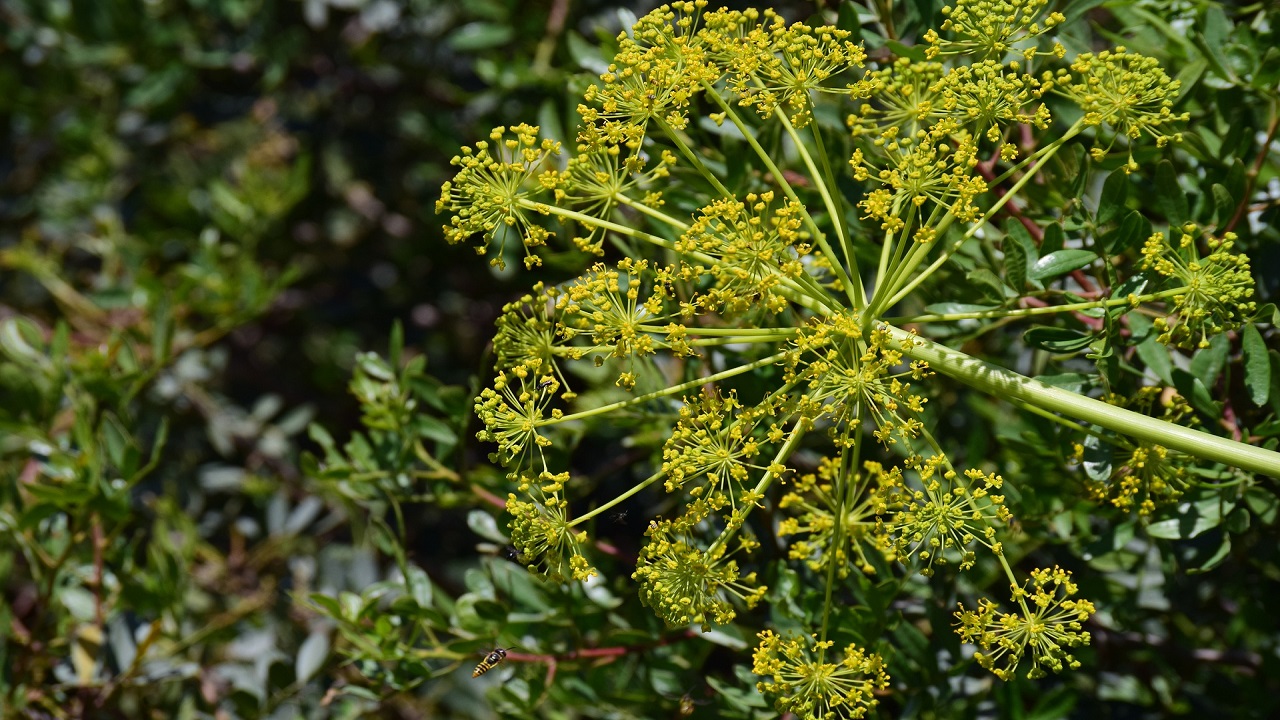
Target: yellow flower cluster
{"x": 944, "y": 517}
{"x": 1046, "y": 626}
{"x": 493, "y": 191}
{"x": 992, "y": 29}
{"x": 850, "y": 377}
{"x": 1145, "y": 476}
{"x": 804, "y": 682}
{"x": 544, "y": 539}
{"x": 812, "y": 504}
{"x": 755, "y": 248}
{"x": 1216, "y": 289}
{"x": 687, "y": 585}
{"x": 1124, "y": 90}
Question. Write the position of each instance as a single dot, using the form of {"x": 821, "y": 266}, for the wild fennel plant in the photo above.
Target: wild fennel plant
{"x": 809, "y": 266}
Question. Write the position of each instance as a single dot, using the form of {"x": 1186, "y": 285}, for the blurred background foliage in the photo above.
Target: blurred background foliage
{"x": 218, "y": 503}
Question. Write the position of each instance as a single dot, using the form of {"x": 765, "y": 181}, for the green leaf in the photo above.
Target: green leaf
{"x": 1020, "y": 254}
{"x": 1053, "y": 239}
{"x": 1257, "y": 365}
{"x": 483, "y": 524}
{"x": 1169, "y": 195}
{"x": 1131, "y": 232}
{"x": 1223, "y": 551}
{"x": 1190, "y": 387}
{"x": 1208, "y": 363}
{"x": 1156, "y": 357}
{"x": 1192, "y": 519}
{"x": 1224, "y": 204}
{"x": 311, "y": 656}
{"x": 955, "y": 308}
{"x": 847, "y": 19}
{"x": 992, "y": 286}
{"x": 479, "y": 36}
{"x": 1060, "y": 263}
{"x": 1056, "y": 339}
{"x": 1115, "y": 192}
{"x": 1264, "y": 503}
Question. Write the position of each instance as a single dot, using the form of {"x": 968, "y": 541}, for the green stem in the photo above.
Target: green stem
{"x": 665, "y": 392}
{"x": 848, "y": 472}
{"x": 917, "y": 257}
{"x": 692, "y": 157}
{"x": 801, "y": 427}
{"x": 854, "y": 291}
{"x": 1002, "y": 383}
{"x": 598, "y": 222}
{"x": 651, "y": 212}
{"x": 777, "y": 333}
{"x": 1029, "y": 312}
{"x": 790, "y": 192}
{"x": 621, "y": 498}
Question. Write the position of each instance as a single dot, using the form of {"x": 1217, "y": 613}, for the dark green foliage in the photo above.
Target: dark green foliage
{"x": 226, "y": 493}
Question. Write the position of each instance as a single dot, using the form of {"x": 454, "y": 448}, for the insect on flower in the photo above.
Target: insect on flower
{"x": 490, "y": 662}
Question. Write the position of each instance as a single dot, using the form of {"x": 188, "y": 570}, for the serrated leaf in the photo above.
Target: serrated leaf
{"x": 1257, "y": 365}
{"x": 1060, "y": 263}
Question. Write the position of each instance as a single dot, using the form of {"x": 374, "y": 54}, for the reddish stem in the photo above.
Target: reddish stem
{"x": 602, "y": 652}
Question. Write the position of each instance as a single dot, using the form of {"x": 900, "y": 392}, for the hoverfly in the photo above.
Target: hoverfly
{"x": 489, "y": 662}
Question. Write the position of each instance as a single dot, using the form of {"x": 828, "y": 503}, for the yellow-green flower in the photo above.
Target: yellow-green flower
{"x": 1124, "y": 90}
{"x": 1046, "y": 625}
{"x": 685, "y": 584}
{"x": 803, "y": 680}
{"x": 494, "y": 191}
{"x": 945, "y": 517}
{"x": 991, "y": 29}
{"x": 540, "y": 531}
{"x": 1216, "y": 288}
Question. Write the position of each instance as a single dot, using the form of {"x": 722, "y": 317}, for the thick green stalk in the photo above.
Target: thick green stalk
{"x": 1031, "y": 312}
{"x": 1002, "y": 383}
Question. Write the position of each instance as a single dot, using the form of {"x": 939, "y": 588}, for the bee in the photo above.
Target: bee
{"x": 545, "y": 384}
{"x": 489, "y": 662}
